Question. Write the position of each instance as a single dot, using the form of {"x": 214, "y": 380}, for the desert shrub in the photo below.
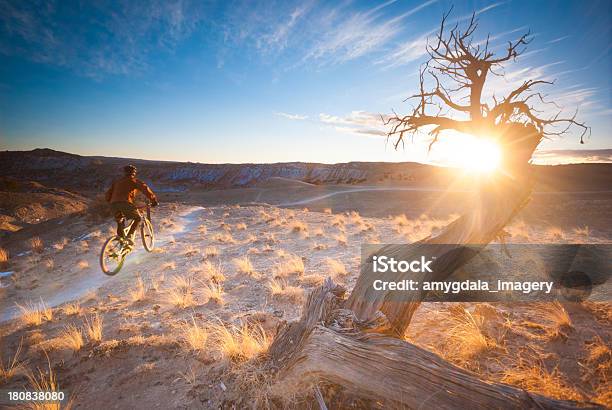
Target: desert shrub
{"x": 213, "y": 291}
{"x": 290, "y": 265}
{"x": 211, "y": 251}
{"x": 4, "y": 258}
{"x": 280, "y": 289}
{"x": 138, "y": 292}
{"x": 335, "y": 267}
{"x": 35, "y": 313}
{"x": 36, "y": 244}
{"x": 70, "y": 338}
{"x": 243, "y": 265}
{"x": 12, "y": 367}
{"x": 239, "y": 343}
{"x": 193, "y": 335}
{"x": 72, "y": 309}
{"x": 298, "y": 226}
{"x": 93, "y": 328}
{"x": 212, "y": 271}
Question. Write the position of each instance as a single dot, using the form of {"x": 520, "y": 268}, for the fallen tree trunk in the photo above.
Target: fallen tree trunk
{"x": 329, "y": 344}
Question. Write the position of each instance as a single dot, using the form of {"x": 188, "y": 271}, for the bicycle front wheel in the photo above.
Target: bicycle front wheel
{"x": 112, "y": 256}
{"x": 147, "y": 235}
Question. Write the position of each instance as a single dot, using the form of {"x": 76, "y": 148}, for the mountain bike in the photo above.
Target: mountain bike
{"x": 116, "y": 248}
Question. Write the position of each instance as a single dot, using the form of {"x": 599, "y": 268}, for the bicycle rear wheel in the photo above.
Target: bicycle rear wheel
{"x": 112, "y": 256}
{"x": 147, "y": 235}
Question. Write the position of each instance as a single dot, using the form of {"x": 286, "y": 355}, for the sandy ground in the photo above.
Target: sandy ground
{"x": 144, "y": 358}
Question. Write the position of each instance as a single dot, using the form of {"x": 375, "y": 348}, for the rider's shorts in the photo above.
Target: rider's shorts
{"x": 125, "y": 209}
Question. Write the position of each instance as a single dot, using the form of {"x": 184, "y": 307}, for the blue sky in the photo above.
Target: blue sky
{"x": 229, "y": 81}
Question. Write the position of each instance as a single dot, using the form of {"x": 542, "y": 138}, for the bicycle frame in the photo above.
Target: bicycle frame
{"x": 139, "y": 209}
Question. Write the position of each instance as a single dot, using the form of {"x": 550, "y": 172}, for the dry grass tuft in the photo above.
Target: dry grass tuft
{"x": 241, "y": 226}
{"x": 83, "y": 264}
{"x": 280, "y": 289}
{"x": 139, "y": 292}
{"x": 318, "y": 246}
{"x": 239, "y": 343}
{"x": 36, "y": 244}
{"x": 202, "y": 229}
{"x": 93, "y": 327}
{"x": 169, "y": 266}
{"x": 561, "y": 320}
{"x": 47, "y": 382}
{"x": 4, "y": 257}
{"x": 13, "y": 366}
{"x": 193, "y": 335}
{"x": 583, "y": 231}
{"x": 298, "y": 226}
{"x": 84, "y": 246}
{"x": 214, "y": 292}
{"x": 466, "y": 338}
{"x": 181, "y": 294}
{"x": 339, "y": 221}
{"x": 341, "y": 239}
{"x": 335, "y": 267}
{"x": 191, "y": 251}
{"x": 213, "y": 272}
{"x": 211, "y": 251}
{"x": 35, "y": 314}
{"x": 223, "y": 238}
{"x": 519, "y": 230}
{"x": 401, "y": 221}
{"x": 312, "y": 280}
{"x": 49, "y": 264}
{"x": 537, "y": 379}
{"x": 555, "y": 233}
{"x": 61, "y": 244}
{"x": 71, "y": 338}
{"x": 290, "y": 265}
{"x": 72, "y": 309}
{"x": 318, "y": 232}
{"x": 244, "y": 265}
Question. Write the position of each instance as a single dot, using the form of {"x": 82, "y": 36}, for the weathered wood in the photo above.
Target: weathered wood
{"x": 455, "y": 246}
{"x": 328, "y": 345}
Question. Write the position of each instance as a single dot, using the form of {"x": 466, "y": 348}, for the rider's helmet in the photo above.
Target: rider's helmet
{"x": 130, "y": 170}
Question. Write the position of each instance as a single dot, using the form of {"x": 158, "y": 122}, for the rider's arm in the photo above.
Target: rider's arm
{"x": 142, "y": 187}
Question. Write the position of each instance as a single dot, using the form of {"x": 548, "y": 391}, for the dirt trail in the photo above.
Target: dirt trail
{"x": 416, "y": 189}
{"x": 74, "y": 288}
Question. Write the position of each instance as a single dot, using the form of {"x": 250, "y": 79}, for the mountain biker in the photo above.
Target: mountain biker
{"x": 121, "y": 196}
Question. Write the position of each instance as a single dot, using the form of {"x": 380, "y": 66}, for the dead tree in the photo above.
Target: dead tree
{"x": 357, "y": 342}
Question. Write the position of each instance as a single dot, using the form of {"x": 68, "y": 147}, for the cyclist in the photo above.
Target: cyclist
{"x": 121, "y": 196}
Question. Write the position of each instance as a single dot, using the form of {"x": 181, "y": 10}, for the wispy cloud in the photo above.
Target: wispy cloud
{"x": 554, "y": 157}
{"x": 357, "y": 122}
{"x": 318, "y": 34}
{"x": 558, "y": 39}
{"x": 416, "y": 48}
{"x": 95, "y": 42}
{"x": 294, "y": 117}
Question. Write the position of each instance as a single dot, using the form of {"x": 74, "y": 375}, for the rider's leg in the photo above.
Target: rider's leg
{"x": 137, "y": 218}
{"x": 120, "y": 227}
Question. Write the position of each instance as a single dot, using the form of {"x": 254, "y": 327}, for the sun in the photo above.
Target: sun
{"x": 479, "y": 155}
